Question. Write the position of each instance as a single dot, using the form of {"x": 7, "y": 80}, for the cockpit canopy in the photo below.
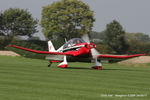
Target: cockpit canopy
{"x": 73, "y": 42}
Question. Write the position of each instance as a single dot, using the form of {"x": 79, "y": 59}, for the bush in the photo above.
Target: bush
{"x": 138, "y": 47}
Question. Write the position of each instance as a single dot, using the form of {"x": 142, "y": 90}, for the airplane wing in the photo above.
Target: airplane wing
{"x": 120, "y": 56}
{"x": 71, "y": 54}
{"x": 41, "y": 52}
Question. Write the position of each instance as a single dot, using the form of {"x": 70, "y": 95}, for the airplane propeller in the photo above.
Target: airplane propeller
{"x": 85, "y": 37}
{"x": 94, "y": 52}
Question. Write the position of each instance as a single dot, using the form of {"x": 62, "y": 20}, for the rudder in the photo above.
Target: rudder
{"x": 51, "y": 47}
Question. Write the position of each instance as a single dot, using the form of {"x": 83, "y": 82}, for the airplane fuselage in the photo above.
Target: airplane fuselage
{"x": 80, "y": 50}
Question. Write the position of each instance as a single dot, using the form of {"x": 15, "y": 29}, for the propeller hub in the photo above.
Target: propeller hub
{"x": 90, "y": 46}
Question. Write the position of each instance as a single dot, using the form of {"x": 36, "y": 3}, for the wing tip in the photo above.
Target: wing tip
{"x": 10, "y": 45}
{"x": 118, "y": 56}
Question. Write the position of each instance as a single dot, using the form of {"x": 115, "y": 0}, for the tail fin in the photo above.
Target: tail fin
{"x": 51, "y": 47}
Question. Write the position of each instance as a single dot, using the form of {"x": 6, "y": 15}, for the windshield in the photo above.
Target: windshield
{"x": 73, "y": 42}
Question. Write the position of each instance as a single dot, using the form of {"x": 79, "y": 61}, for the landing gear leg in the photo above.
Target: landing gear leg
{"x": 64, "y": 64}
{"x": 97, "y": 65}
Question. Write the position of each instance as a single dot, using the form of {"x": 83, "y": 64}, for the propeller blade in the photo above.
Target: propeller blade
{"x": 85, "y": 37}
{"x": 94, "y": 53}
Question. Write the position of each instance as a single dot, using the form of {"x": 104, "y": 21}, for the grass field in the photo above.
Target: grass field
{"x": 31, "y": 79}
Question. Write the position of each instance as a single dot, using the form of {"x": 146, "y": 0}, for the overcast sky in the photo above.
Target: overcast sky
{"x": 133, "y": 15}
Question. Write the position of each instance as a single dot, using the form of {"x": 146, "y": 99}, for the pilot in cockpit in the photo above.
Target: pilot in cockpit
{"x": 78, "y": 41}
{"x": 72, "y": 43}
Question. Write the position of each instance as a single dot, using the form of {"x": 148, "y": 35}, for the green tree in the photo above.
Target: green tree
{"x": 67, "y": 19}
{"x": 15, "y": 21}
{"x": 1, "y": 33}
{"x": 115, "y": 38}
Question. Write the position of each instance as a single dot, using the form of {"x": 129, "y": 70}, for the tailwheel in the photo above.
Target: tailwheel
{"x": 49, "y": 65}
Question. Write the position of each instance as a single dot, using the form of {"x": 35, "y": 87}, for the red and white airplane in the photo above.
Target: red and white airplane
{"x": 78, "y": 48}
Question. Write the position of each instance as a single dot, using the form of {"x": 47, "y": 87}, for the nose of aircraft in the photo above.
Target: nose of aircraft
{"x": 93, "y": 45}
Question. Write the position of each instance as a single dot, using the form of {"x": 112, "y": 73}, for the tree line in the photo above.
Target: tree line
{"x": 115, "y": 40}
{"x": 69, "y": 19}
